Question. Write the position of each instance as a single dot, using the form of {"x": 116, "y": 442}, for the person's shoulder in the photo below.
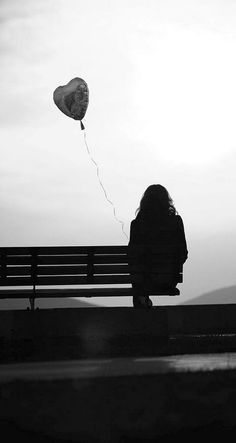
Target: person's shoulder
{"x": 176, "y": 219}
{"x": 133, "y": 223}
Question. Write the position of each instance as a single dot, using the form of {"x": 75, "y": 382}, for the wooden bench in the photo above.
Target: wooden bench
{"x": 43, "y": 272}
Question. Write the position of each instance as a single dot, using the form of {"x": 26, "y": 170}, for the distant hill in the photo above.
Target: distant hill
{"x": 6, "y": 304}
{"x": 220, "y": 296}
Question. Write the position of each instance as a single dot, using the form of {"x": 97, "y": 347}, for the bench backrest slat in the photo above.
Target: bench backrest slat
{"x": 68, "y": 270}
{"x": 17, "y": 281}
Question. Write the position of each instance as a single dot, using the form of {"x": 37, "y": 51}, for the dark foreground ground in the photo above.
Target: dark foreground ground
{"x": 153, "y": 407}
{"x": 161, "y": 408}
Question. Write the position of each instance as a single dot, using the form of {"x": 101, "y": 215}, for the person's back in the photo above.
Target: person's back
{"x": 156, "y": 231}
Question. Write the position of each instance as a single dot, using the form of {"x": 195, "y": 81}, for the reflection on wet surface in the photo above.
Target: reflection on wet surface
{"x": 117, "y": 367}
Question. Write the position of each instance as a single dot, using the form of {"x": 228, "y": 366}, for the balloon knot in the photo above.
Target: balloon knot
{"x": 82, "y": 126}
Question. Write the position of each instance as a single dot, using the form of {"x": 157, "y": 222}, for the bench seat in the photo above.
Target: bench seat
{"x": 80, "y": 292}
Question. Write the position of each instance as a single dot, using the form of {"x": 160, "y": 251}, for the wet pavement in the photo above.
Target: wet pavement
{"x": 116, "y": 367}
{"x": 120, "y": 400}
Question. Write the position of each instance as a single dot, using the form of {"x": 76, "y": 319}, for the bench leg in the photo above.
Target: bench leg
{"x": 32, "y": 300}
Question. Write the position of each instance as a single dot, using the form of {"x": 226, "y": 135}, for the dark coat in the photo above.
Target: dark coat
{"x": 157, "y": 245}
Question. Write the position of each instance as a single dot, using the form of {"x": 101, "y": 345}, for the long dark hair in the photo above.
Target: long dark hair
{"x": 156, "y": 201}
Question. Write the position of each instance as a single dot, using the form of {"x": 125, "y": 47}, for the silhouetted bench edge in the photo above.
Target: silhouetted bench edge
{"x": 25, "y": 270}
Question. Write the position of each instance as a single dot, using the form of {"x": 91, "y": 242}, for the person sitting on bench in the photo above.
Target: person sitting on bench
{"x": 156, "y": 231}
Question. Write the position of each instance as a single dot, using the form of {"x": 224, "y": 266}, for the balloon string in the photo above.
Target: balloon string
{"x": 104, "y": 190}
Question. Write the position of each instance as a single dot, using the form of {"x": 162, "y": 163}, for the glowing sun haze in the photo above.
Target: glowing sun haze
{"x": 161, "y": 76}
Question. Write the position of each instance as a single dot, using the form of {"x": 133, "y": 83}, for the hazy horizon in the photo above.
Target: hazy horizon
{"x": 161, "y": 77}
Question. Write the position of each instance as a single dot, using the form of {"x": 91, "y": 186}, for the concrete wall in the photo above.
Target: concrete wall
{"x": 110, "y": 322}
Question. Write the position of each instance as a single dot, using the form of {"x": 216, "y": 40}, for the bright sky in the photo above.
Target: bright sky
{"x": 161, "y": 76}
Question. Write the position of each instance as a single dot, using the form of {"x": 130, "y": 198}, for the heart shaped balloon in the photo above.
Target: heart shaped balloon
{"x": 72, "y": 99}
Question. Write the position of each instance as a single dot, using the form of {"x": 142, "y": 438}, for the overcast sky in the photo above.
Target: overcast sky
{"x": 161, "y": 75}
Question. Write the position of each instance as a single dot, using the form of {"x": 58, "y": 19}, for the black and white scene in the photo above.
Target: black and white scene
{"x": 118, "y": 238}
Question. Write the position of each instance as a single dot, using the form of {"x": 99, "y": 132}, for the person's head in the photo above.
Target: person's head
{"x": 156, "y": 201}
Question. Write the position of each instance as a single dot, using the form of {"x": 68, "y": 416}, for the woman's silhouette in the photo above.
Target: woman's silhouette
{"x": 157, "y": 226}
